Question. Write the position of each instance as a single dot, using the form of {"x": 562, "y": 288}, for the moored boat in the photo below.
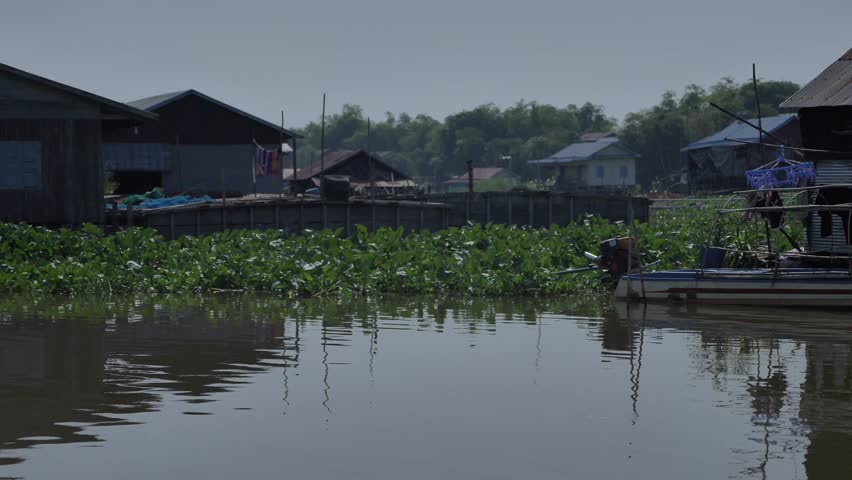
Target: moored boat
{"x": 731, "y": 286}
{"x": 799, "y": 277}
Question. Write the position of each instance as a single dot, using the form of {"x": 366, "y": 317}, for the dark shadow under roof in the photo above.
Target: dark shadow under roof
{"x": 111, "y": 105}
{"x": 156, "y": 102}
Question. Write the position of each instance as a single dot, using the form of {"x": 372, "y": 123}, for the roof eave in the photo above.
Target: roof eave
{"x": 226, "y": 106}
{"x": 127, "y": 110}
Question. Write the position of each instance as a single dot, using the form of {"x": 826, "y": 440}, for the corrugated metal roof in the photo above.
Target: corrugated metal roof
{"x": 151, "y": 103}
{"x": 587, "y": 151}
{"x": 112, "y": 105}
{"x": 741, "y": 131}
{"x": 479, "y": 173}
{"x": 831, "y": 88}
{"x": 156, "y": 102}
{"x": 334, "y": 158}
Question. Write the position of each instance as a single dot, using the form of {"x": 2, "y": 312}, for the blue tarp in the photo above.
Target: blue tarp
{"x": 740, "y": 131}
{"x": 168, "y": 202}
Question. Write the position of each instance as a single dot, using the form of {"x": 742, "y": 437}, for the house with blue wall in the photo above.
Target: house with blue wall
{"x": 597, "y": 162}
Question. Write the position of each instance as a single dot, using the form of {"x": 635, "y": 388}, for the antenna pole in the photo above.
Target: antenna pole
{"x": 759, "y": 117}
{"x": 372, "y": 166}
{"x": 322, "y": 147}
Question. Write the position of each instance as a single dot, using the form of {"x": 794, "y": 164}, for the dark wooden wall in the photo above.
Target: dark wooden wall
{"x": 827, "y": 128}
{"x": 72, "y": 175}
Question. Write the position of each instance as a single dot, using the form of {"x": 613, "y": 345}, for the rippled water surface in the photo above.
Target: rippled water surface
{"x": 245, "y": 387}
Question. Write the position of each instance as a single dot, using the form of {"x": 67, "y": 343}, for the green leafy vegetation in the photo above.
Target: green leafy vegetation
{"x": 490, "y": 260}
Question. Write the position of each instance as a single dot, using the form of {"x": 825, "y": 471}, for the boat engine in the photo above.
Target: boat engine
{"x": 614, "y": 256}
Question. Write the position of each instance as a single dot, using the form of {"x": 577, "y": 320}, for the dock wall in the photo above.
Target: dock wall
{"x": 435, "y": 212}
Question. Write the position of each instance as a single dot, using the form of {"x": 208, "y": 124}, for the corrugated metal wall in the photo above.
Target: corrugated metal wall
{"x": 829, "y": 172}
{"x": 138, "y": 157}
{"x": 209, "y": 168}
{"x": 193, "y": 168}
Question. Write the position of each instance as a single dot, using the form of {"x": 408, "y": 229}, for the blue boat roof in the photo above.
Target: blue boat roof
{"x": 741, "y": 131}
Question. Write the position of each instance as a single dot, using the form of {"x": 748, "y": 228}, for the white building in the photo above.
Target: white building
{"x": 601, "y": 161}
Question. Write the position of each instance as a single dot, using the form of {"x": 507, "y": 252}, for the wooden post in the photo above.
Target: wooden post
{"x": 277, "y": 215}
{"x": 532, "y": 223}
{"x": 571, "y": 207}
{"x": 509, "y": 196}
{"x": 198, "y": 223}
{"x": 324, "y": 215}
{"x": 422, "y": 212}
{"x": 224, "y": 215}
{"x": 549, "y": 208}
{"x": 172, "y": 225}
{"x": 848, "y": 236}
{"x": 129, "y": 214}
{"x": 251, "y": 217}
{"x": 372, "y": 216}
{"x": 397, "y": 215}
{"x": 445, "y": 221}
{"x": 348, "y": 219}
{"x": 115, "y": 215}
{"x": 301, "y": 214}
{"x": 487, "y": 208}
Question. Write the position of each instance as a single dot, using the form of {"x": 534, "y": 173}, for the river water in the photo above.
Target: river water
{"x": 225, "y": 387}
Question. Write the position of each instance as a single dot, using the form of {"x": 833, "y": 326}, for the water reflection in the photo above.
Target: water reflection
{"x": 759, "y": 347}
{"x": 72, "y": 372}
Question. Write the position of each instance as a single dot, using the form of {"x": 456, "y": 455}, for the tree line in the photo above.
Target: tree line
{"x": 488, "y": 135}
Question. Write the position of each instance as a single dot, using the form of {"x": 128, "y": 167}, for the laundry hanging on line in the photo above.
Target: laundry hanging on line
{"x": 267, "y": 162}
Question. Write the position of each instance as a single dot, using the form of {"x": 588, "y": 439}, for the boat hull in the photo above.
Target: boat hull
{"x": 788, "y": 287}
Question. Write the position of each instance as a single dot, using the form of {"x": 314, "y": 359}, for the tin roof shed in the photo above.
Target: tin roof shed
{"x": 831, "y": 88}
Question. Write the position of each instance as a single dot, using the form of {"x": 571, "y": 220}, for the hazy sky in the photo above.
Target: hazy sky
{"x": 436, "y": 57}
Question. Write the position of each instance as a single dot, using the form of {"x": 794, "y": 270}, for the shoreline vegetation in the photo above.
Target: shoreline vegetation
{"x": 488, "y": 261}
{"x": 434, "y": 149}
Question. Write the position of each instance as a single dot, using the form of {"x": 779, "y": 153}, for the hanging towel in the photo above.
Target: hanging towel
{"x": 260, "y": 163}
{"x": 274, "y": 164}
{"x": 267, "y": 162}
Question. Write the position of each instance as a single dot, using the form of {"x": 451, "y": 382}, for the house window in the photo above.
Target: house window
{"x": 599, "y": 171}
{"x": 622, "y": 171}
{"x": 20, "y": 165}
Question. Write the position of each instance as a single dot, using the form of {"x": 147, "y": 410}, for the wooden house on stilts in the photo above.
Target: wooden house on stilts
{"x": 824, "y": 108}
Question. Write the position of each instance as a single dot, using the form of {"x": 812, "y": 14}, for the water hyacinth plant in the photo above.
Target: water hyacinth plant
{"x": 492, "y": 260}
